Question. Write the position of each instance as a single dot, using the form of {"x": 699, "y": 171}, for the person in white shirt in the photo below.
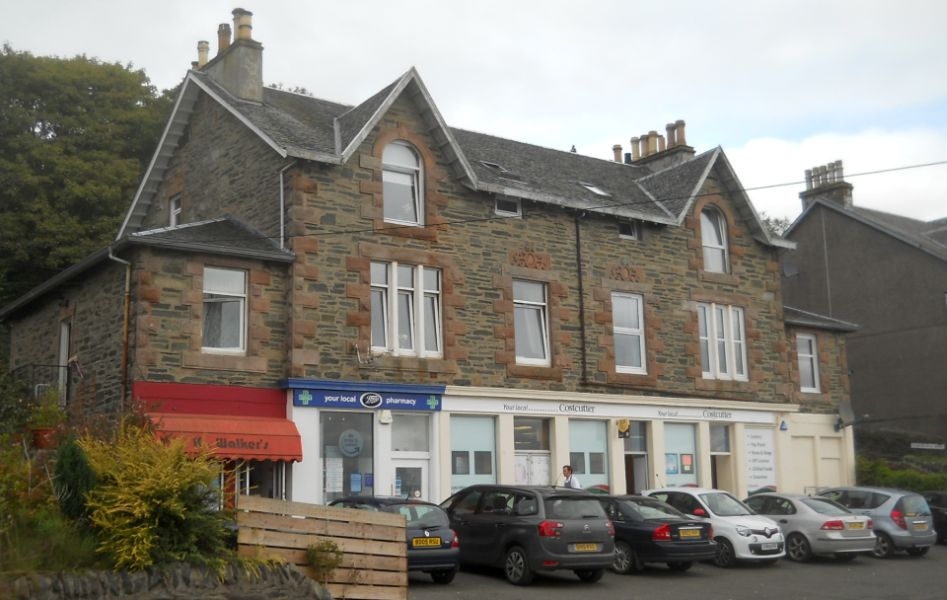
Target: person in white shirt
{"x": 570, "y": 479}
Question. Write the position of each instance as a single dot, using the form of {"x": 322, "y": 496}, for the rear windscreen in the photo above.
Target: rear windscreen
{"x": 914, "y": 506}
{"x": 651, "y": 509}
{"x": 824, "y": 506}
{"x": 420, "y": 516}
{"x": 574, "y": 508}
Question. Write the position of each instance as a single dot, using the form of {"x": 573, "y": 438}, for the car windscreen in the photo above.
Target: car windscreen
{"x": 914, "y": 506}
{"x": 650, "y": 509}
{"x": 824, "y": 506}
{"x": 420, "y": 516}
{"x": 565, "y": 507}
{"x": 723, "y": 504}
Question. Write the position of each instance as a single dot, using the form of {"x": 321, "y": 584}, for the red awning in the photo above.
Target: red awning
{"x": 233, "y": 437}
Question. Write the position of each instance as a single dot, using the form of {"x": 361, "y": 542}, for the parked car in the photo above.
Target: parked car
{"x": 937, "y": 501}
{"x": 433, "y": 547}
{"x": 739, "y": 532}
{"x": 526, "y": 529}
{"x": 902, "y": 520}
{"x": 650, "y": 531}
{"x": 815, "y": 526}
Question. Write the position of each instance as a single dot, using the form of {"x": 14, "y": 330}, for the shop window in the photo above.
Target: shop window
{"x": 587, "y": 452}
{"x": 483, "y": 463}
{"x": 720, "y": 438}
{"x": 225, "y": 308}
{"x": 807, "y": 352}
{"x": 401, "y": 178}
{"x": 531, "y": 323}
{"x": 265, "y": 478}
{"x": 410, "y": 433}
{"x": 347, "y": 451}
{"x": 405, "y": 309}
{"x": 530, "y": 433}
{"x": 628, "y": 324}
{"x": 680, "y": 454}
{"x": 713, "y": 236}
{"x": 473, "y": 450}
{"x": 460, "y": 463}
{"x": 637, "y": 441}
{"x": 722, "y": 341}
{"x": 577, "y": 462}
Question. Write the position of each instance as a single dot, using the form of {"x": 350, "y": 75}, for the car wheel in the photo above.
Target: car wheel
{"x": 443, "y": 577}
{"x": 845, "y": 556}
{"x": 516, "y": 567}
{"x": 589, "y": 575}
{"x": 626, "y": 560}
{"x": 883, "y": 546}
{"x": 798, "y": 548}
{"x": 725, "y": 557}
{"x": 680, "y": 566}
{"x": 918, "y": 551}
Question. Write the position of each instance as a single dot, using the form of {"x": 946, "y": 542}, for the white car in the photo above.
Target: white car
{"x": 739, "y": 532}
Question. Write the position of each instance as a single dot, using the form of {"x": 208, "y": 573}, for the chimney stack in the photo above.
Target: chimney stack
{"x": 679, "y": 134}
{"x": 203, "y": 49}
{"x": 242, "y": 24}
{"x": 657, "y": 151}
{"x": 223, "y": 37}
{"x": 652, "y": 142}
{"x": 616, "y": 150}
{"x": 635, "y": 149}
{"x": 827, "y": 184}
{"x": 669, "y": 129}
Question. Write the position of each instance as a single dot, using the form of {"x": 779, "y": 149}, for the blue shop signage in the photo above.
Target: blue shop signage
{"x": 364, "y": 396}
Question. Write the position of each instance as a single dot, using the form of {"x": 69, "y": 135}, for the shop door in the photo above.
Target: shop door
{"x": 532, "y": 468}
{"x": 409, "y": 478}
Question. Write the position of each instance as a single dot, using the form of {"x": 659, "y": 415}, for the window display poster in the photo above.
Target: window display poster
{"x": 670, "y": 463}
{"x": 334, "y": 475}
{"x": 355, "y": 483}
{"x": 687, "y": 464}
{"x": 760, "y": 453}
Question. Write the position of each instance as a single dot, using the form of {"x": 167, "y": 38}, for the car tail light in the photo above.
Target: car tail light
{"x": 611, "y": 528}
{"x": 550, "y": 563}
{"x": 898, "y": 517}
{"x": 550, "y": 529}
{"x": 456, "y": 542}
{"x": 871, "y": 524}
{"x": 833, "y": 525}
{"x": 661, "y": 534}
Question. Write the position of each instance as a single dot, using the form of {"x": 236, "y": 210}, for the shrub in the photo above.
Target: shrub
{"x": 324, "y": 558}
{"x": 878, "y": 473}
{"x": 153, "y": 503}
{"x": 74, "y": 479}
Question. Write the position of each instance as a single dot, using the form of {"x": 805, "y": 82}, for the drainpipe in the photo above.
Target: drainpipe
{"x": 128, "y": 278}
{"x": 282, "y": 207}
{"x": 579, "y": 274}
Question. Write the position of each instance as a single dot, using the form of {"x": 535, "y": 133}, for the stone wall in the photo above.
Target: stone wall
{"x": 833, "y": 371}
{"x": 176, "y": 582}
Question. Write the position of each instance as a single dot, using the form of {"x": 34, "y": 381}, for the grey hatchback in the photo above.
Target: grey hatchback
{"x": 525, "y": 529}
{"x": 902, "y": 520}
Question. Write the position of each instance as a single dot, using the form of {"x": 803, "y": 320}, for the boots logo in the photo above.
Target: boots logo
{"x": 371, "y": 400}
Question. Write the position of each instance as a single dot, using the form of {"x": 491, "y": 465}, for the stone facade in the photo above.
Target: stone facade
{"x": 833, "y": 371}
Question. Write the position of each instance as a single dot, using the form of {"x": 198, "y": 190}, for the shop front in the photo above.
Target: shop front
{"x": 362, "y": 438}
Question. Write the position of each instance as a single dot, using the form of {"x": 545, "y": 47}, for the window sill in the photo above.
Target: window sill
{"x": 722, "y": 384}
{"x": 411, "y": 363}
{"x": 535, "y": 372}
{"x": 722, "y": 278}
{"x": 224, "y": 362}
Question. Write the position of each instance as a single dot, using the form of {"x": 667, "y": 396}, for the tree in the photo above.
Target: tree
{"x": 775, "y": 225}
{"x": 75, "y": 137}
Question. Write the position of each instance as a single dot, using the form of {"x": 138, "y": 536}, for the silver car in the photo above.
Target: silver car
{"x": 902, "y": 519}
{"x": 816, "y": 526}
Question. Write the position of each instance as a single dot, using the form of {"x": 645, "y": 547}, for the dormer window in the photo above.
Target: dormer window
{"x": 401, "y": 177}
{"x": 594, "y": 189}
{"x": 174, "y": 211}
{"x": 713, "y": 236}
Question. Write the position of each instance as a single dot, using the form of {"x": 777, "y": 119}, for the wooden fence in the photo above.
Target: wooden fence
{"x": 374, "y": 565}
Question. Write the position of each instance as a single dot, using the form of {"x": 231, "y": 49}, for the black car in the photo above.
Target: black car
{"x": 938, "y": 503}
{"x": 433, "y": 547}
{"x": 650, "y": 531}
{"x": 525, "y": 529}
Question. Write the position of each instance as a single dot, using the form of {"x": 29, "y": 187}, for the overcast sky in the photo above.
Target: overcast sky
{"x": 781, "y": 86}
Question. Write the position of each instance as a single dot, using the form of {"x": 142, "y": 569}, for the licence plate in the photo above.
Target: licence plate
{"x": 426, "y": 542}
{"x": 920, "y": 527}
{"x": 769, "y": 546}
{"x": 585, "y": 547}
{"x": 856, "y": 525}
{"x": 689, "y": 533}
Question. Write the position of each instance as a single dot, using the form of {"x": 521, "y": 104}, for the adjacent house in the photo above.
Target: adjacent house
{"x": 363, "y": 299}
{"x": 887, "y": 273}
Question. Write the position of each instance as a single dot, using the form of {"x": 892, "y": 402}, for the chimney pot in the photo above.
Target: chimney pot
{"x": 627, "y": 158}
{"x": 669, "y": 129}
{"x": 616, "y": 149}
{"x": 808, "y": 179}
{"x": 223, "y": 37}
{"x": 661, "y": 145}
{"x": 635, "y": 148}
{"x": 203, "y": 49}
{"x": 242, "y": 24}
{"x": 679, "y": 133}
{"x": 652, "y": 142}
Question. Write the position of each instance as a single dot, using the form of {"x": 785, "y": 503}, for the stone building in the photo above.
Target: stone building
{"x": 366, "y": 300}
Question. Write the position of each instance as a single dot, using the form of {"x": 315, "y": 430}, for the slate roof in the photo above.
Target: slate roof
{"x": 804, "y": 318}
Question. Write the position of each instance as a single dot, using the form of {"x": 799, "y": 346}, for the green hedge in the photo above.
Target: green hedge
{"x": 877, "y": 473}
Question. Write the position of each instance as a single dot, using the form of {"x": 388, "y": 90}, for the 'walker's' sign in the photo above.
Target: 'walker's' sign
{"x": 366, "y": 400}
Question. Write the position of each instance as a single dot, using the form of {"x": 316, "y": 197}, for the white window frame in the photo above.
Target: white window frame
{"x": 639, "y": 332}
{"x": 242, "y": 324}
{"x": 543, "y": 308}
{"x": 632, "y": 230}
{"x": 507, "y": 213}
{"x": 174, "y": 211}
{"x": 732, "y": 339}
{"x": 813, "y": 358}
{"x": 708, "y": 242}
{"x": 65, "y": 343}
{"x": 414, "y": 172}
{"x": 418, "y": 312}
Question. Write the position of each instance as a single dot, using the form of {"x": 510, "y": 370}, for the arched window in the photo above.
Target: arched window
{"x": 713, "y": 235}
{"x": 401, "y": 175}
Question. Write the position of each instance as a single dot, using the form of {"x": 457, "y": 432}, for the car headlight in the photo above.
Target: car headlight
{"x": 744, "y": 531}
